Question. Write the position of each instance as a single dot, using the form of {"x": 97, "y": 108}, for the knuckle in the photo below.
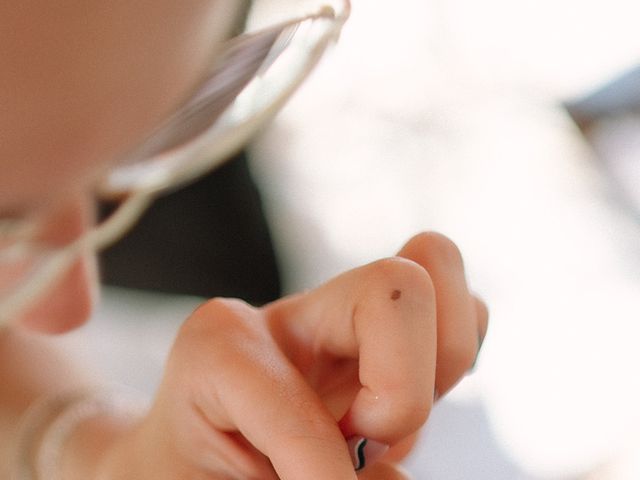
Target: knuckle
{"x": 308, "y": 425}
{"x": 214, "y": 326}
{"x": 219, "y": 315}
{"x": 317, "y": 440}
{"x": 221, "y": 308}
{"x": 311, "y": 428}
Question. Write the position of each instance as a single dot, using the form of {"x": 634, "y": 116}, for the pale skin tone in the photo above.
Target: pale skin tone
{"x": 248, "y": 393}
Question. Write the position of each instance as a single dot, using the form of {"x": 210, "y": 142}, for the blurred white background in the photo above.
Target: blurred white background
{"x": 444, "y": 115}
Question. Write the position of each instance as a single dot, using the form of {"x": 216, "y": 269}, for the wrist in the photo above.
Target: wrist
{"x": 143, "y": 452}
{"x": 89, "y": 446}
{"x": 66, "y": 436}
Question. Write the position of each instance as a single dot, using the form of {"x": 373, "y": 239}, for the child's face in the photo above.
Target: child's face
{"x": 81, "y": 82}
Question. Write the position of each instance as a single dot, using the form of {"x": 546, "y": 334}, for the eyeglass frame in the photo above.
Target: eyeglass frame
{"x": 205, "y": 156}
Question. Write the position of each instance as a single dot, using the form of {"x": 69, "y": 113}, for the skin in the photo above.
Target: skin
{"x": 82, "y": 83}
{"x": 248, "y": 392}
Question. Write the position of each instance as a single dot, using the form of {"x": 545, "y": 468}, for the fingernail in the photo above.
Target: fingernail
{"x": 365, "y": 452}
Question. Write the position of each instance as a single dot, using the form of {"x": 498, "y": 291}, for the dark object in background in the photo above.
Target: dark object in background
{"x": 207, "y": 239}
{"x": 609, "y": 119}
{"x": 619, "y": 96}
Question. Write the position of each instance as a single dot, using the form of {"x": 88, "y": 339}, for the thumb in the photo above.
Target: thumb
{"x": 383, "y": 471}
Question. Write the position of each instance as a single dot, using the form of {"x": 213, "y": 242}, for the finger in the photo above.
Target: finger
{"x": 251, "y": 386}
{"x": 400, "y": 450}
{"x": 383, "y": 471}
{"x": 459, "y": 327}
{"x": 383, "y": 316}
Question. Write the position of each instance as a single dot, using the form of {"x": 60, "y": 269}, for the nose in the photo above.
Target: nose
{"x": 69, "y": 302}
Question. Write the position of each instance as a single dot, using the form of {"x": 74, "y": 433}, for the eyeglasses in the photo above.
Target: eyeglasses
{"x": 249, "y": 82}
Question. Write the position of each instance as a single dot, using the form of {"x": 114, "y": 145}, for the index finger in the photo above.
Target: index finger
{"x": 383, "y": 315}
{"x": 257, "y": 391}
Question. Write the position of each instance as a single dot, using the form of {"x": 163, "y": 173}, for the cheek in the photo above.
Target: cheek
{"x": 83, "y": 81}
{"x": 68, "y": 304}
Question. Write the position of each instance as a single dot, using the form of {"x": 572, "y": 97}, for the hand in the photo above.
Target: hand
{"x": 272, "y": 393}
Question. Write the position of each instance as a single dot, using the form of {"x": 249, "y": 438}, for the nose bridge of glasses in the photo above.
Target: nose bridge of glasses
{"x": 68, "y": 223}
{"x": 29, "y": 267}
{"x": 22, "y": 260}
{"x": 53, "y": 228}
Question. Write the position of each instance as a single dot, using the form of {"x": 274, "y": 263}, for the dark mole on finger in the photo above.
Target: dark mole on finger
{"x": 396, "y": 294}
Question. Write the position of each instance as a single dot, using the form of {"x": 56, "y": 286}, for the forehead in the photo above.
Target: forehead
{"x": 83, "y": 80}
